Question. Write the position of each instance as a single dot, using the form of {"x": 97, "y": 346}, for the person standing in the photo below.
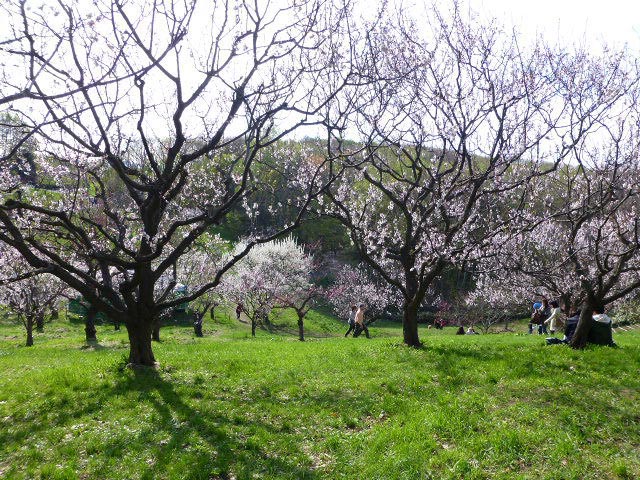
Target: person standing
{"x": 545, "y": 312}
{"x": 554, "y": 319}
{"x": 534, "y": 316}
{"x": 352, "y": 320}
{"x": 360, "y": 325}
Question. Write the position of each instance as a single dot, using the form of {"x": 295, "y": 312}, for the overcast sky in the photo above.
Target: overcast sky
{"x": 612, "y": 21}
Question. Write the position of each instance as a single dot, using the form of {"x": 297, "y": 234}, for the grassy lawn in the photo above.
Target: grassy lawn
{"x": 229, "y": 406}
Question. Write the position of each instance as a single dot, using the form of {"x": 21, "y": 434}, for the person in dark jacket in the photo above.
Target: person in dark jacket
{"x": 569, "y": 329}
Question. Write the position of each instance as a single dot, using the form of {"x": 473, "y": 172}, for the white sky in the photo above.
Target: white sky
{"x": 615, "y": 22}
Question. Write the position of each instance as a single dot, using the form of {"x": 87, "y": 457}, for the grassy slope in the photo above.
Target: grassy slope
{"x": 228, "y": 406}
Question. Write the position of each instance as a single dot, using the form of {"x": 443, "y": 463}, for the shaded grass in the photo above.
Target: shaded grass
{"x": 229, "y": 406}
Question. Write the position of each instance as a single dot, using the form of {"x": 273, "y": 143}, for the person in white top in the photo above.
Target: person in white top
{"x": 360, "y": 325}
{"x": 601, "y": 332}
{"x": 352, "y": 320}
{"x": 554, "y": 318}
{"x": 600, "y": 316}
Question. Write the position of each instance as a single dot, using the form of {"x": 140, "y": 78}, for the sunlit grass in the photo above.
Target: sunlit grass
{"x": 229, "y": 406}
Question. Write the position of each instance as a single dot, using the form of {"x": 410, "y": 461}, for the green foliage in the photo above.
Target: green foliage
{"x": 628, "y": 313}
{"x": 228, "y": 406}
{"x": 328, "y": 232}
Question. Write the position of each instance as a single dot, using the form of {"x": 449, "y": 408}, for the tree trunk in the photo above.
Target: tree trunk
{"x": 54, "y": 313}
{"x": 29, "y": 327}
{"x": 90, "y": 327}
{"x": 253, "y": 327}
{"x": 301, "y": 327}
{"x": 197, "y": 325}
{"x": 40, "y": 322}
{"x": 197, "y": 329}
{"x": 116, "y": 326}
{"x": 567, "y": 306}
{"x": 140, "y": 351}
{"x": 410, "y": 325}
{"x": 155, "y": 334}
{"x": 581, "y": 334}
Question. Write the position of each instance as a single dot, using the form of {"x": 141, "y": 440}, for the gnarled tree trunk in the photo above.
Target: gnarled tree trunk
{"x": 581, "y": 334}
{"x": 410, "y": 306}
{"x": 197, "y": 324}
{"x": 155, "y": 334}
{"x": 140, "y": 351}
{"x": 197, "y": 328}
{"x": 410, "y": 325}
{"x": 90, "y": 326}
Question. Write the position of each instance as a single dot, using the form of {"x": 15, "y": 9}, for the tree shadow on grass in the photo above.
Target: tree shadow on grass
{"x": 56, "y": 413}
{"x": 201, "y": 442}
{"x": 182, "y": 440}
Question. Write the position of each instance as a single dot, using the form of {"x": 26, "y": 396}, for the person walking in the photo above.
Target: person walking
{"x": 554, "y": 319}
{"x": 352, "y": 320}
{"x": 360, "y": 325}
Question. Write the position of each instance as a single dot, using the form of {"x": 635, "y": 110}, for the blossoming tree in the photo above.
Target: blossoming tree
{"x": 356, "y": 285}
{"x": 28, "y": 294}
{"x": 149, "y": 120}
{"x": 454, "y": 133}
{"x": 584, "y": 244}
{"x": 273, "y": 274}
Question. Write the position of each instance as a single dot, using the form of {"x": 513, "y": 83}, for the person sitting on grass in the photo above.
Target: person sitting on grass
{"x": 601, "y": 332}
{"x": 569, "y": 329}
{"x": 600, "y": 316}
{"x": 460, "y": 330}
{"x": 471, "y": 331}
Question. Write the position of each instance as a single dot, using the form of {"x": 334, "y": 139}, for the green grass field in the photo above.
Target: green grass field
{"x": 231, "y": 407}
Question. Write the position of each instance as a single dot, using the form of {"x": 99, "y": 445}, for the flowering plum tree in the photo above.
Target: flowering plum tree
{"x": 149, "y": 120}
{"x": 453, "y": 135}
{"x": 355, "y": 285}
{"x": 28, "y": 294}
{"x": 296, "y": 289}
{"x": 496, "y": 300}
{"x": 272, "y": 274}
{"x": 585, "y": 248}
{"x": 196, "y": 268}
{"x": 587, "y": 253}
